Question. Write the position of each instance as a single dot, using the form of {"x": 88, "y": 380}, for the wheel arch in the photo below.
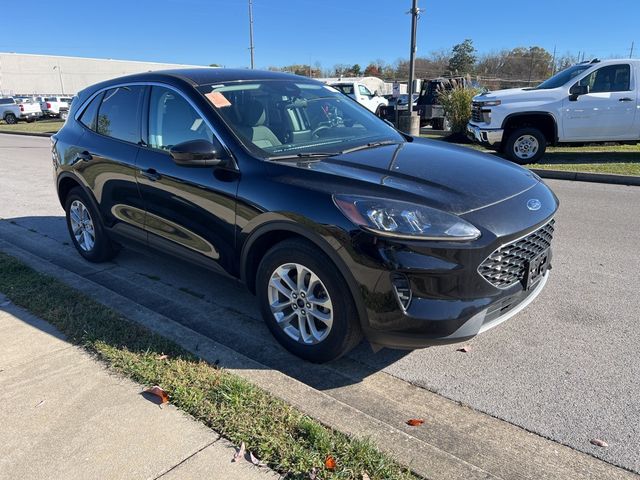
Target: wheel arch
{"x": 544, "y": 121}
{"x": 267, "y": 235}
{"x": 67, "y": 182}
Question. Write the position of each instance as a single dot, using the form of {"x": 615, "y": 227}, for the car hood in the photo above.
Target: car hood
{"x": 512, "y": 95}
{"x": 454, "y": 179}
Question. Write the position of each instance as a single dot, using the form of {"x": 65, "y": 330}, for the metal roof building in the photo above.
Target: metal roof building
{"x": 28, "y": 74}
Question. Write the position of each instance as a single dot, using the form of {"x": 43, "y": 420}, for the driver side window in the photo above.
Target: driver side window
{"x": 172, "y": 120}
{"x": 612, "y": 78}
{"x": 364, "y": 91}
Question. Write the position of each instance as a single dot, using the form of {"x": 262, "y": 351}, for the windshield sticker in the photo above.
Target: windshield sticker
{"x": 196, "y": 124}
{"x": 218, "y": 99}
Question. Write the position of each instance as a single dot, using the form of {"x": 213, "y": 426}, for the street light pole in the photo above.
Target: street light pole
{"x": 412, "y": 56}
{"x": 251, "y": 48}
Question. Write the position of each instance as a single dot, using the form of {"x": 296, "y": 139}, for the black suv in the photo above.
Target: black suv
{"x": 341, "y": 225}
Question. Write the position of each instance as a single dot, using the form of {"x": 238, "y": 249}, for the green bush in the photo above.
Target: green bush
{"x": 457, "y": 105}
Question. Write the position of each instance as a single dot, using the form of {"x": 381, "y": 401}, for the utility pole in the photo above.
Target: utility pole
{"x": 251, "y": 48}
{"x": 415, "y": 11}
{"x": 553, "y": 62}
{"x": 631, "y": 52}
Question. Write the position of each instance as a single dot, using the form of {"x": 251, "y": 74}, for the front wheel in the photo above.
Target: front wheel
{"x": 525, "y": 145}
{"x": 306, "y": 303}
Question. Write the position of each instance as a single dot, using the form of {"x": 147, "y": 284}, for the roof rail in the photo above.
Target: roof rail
{"x": 595, "y": 60}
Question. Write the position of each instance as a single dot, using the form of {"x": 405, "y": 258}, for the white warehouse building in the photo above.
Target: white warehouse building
{"x": 28, "y": 74}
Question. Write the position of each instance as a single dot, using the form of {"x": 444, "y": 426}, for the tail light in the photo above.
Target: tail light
{"x": 22, "y": 108}
{"x": 48, "y": 105}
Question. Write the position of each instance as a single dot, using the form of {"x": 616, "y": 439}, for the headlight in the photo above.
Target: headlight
{"x": 490, "y": 103}
{"x": 404, "y": 220}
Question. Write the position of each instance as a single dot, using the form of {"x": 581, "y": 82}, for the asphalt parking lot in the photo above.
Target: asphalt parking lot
{"x": 566, "y": 368}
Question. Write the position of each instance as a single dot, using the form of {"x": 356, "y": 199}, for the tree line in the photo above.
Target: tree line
{"x": 520, "y": 66}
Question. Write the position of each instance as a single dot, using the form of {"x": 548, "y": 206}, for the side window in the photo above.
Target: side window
{"x": 172, "y": 120}
{"x": 90, "y": 114}
{"x": 119, "y": 113}
{"x": 612, "y": 78}
{"x": 364, "y": 91}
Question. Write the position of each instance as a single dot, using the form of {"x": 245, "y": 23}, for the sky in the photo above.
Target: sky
{"x": 203, "y": 32}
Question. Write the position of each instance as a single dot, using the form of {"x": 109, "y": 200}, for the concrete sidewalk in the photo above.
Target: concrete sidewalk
{"x": 64, "y": 415}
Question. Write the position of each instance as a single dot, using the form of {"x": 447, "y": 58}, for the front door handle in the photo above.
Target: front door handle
{"x": 84, "y": 156}
{"x": 626, "y": 99}
{"x": 151, "y": 174}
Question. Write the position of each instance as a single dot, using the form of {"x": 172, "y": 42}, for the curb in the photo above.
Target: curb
{"x": 28, "y": 134}
{"x": 609, "y": 178}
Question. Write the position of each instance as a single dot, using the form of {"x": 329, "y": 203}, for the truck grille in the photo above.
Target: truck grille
{"x": 476, "y": 114}
{"x": 508, "y": 264}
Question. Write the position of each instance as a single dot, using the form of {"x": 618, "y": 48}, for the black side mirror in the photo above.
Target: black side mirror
{"x": 196, "y": 153}
{"x": 577, "y": 90}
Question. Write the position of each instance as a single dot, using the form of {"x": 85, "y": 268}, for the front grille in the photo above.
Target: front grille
{"x": 476, "y": 114}
{"x": 508, "y": 264}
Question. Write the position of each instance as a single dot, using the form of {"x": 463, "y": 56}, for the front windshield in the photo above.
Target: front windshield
{"x": 276, "y": 118}
{"x": 563, "y": 77}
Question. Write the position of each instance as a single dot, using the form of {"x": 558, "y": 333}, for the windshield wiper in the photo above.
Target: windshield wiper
{"x": 371, "y": 145}
{"x": 303, "y": 155}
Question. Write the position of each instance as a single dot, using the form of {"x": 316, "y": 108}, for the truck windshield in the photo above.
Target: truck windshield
{"x": 563, "y": 77}
{"x": 282, "y": 118}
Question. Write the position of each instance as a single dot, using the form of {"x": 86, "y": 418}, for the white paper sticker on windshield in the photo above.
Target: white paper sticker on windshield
{"x": 196, "y": 124}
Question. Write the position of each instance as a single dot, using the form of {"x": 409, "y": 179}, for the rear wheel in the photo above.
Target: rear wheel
{"x": 11, "y": 119}
{"x": 525, "y": 145}
{"x": 86, "y": 229}
{"x": 306, "y": 303}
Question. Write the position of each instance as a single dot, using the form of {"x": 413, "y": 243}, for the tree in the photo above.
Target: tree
{"x": 372, "y": 70}
{"x": 215, "y": 65}
{"x": 463, "y": 58}
{"x": 356, "y": 70}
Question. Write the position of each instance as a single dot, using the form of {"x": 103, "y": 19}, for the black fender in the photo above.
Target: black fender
{"x": 78, "y": 180}
{"x": 319, "y": 241}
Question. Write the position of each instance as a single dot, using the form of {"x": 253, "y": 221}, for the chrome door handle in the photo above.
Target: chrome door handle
{"x": 626, "y": 99}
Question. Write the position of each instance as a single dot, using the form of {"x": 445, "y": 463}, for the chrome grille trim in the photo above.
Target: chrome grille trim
{"x": 507, "y": 265}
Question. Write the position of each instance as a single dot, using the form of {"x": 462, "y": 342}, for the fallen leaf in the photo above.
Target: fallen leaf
{"x": 162, "y": 357}
{"x": 313, "y": 474}
{"x": 158, "y": 392}
{"x": 415, "y": 422}
{"x": 239, "y": 454}
{"x": 255, "y": 461}
{"x": 464, "y": 349}
{"x": 365, "y": 476}
{"x": 599, "y": 443}
{"x": 330, "y": 463}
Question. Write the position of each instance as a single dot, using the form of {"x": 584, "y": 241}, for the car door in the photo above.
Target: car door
{"x": 190, "y": 211}
{"x": 608, "y": 111}
{"x": 367, "y": 98}
{"x": 107, "y": 164}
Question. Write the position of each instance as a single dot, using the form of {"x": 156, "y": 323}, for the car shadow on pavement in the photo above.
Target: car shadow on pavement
{"x": 591, "y": 157}
{"x": 206, "y": 302}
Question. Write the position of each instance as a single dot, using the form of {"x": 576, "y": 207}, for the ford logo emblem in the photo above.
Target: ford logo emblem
{"x": 534, "y": 204}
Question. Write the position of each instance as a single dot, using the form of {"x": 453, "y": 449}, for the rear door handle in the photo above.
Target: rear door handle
{"x": 626, "y": 99}
{"x": 151, "y": 174}
{"x": 84, "y": 156}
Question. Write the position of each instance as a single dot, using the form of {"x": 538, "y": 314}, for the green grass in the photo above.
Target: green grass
{"x": 609, "y": 158}
{"x": 287, "y": 440}
{"x": 41, "y": 126}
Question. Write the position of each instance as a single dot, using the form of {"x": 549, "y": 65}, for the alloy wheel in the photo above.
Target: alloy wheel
{"x": 300, "y": 303}
{"x": 82, "y": 226}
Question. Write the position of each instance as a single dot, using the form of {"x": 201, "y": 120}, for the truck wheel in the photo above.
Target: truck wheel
{"x": 525, "y": 145}
{"x": 306, "y": 303}
{"x": 11, "y": 119}
{"x": 380, "y": 111}
{"x": 30, "y": 120}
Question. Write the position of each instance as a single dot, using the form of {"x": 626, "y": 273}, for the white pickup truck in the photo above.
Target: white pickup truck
{"x": 51, "y": 105}
{"x": 594, "y": 101}
{"x": 361, "y": 94}
{"x": 14, "y": 109}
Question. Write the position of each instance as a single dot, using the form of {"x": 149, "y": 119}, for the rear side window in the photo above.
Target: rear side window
{"x": 6, "y": 101}
{"x": 90, "y": 114}
{"x": 119, "y": 113}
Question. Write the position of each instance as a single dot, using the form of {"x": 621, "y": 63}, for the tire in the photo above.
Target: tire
{"x": 287, "y": 259}
{"x": 11, "y": 119}
{"x": 379, "y": 111}
{"x": 30, "y": 120}
{"x": 79, "y": 209}
{"x": 525, "y": 145}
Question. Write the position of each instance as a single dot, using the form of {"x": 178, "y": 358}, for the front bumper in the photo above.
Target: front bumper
{"x": 489, "y": 313}
{"x": 486, "y": 136}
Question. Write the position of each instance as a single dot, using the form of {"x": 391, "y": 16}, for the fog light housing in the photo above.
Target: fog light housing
{"x": 402, "y": 290}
